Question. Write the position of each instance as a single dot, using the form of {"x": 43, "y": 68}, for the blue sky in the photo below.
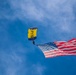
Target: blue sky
{"x": 55, "y": 20}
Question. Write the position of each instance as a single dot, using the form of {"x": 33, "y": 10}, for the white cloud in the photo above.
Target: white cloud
{"x": 59, "y": 14}
{"x": 40, "y": 8}
{"x": 57, "y": 11}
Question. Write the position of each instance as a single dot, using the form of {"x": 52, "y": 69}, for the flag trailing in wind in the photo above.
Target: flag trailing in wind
{"x": 59, "y": 48}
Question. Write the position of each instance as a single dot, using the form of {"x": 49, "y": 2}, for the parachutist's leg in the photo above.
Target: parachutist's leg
{"x": 34, "y": 42}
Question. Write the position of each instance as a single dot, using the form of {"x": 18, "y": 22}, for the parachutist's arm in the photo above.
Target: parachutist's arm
{"x": 34, "y": 43}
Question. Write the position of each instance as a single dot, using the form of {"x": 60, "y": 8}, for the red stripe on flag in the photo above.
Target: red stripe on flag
{"x": 58, "y": 53}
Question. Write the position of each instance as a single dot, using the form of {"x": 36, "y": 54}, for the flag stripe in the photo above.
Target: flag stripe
{"x": 67, "y": 48}
{"x": 67, "y": 45}
{"x": 59, "y": 52}
{"x": 59, "y": 55}
{"x": 53, "y": 53}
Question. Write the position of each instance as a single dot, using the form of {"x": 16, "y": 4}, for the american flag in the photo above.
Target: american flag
{"x": 59, "y": 48}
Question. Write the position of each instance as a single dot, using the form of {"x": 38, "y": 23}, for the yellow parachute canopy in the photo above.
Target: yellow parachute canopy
{"x": 32, "y": 33}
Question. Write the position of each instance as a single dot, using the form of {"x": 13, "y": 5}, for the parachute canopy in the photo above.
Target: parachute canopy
{"x": 32, "y": 33}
